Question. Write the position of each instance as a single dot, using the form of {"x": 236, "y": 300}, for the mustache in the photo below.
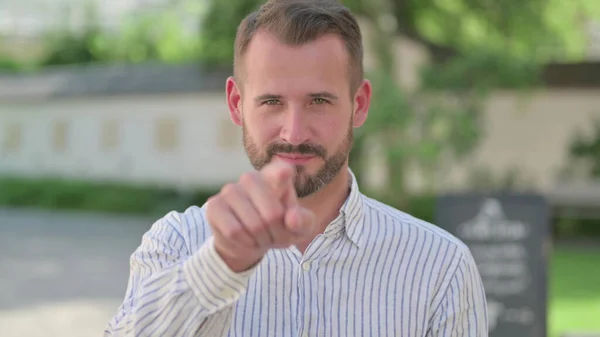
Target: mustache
{"x": 304, "y": 149}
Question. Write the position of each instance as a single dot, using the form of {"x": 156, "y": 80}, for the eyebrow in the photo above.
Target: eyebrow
{"x": 322, "y": 94}
{"x": 267, "y": 97}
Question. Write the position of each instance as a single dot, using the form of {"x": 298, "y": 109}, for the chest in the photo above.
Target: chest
{"x": 340, "y": 291}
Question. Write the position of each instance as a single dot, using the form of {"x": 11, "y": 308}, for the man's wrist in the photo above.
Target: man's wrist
{"x": 237, "y": 264}
{"x": 214, "y": 283}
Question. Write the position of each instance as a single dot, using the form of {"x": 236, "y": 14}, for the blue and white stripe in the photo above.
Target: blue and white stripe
{"x": 375, "y": 271}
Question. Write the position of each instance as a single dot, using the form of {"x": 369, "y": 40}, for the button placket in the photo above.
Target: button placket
{"x": 303, "y": 293}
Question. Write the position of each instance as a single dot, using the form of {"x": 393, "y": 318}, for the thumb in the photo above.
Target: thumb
{"x": 299, "y": 220}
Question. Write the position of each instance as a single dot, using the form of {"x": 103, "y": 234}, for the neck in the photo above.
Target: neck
{"x": 328, "y": 201}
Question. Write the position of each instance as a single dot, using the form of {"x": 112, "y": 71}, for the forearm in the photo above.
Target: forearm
{"x": 191, "y": 298}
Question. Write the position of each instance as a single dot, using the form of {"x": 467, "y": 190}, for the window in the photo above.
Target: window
{"x": 59, "y": 137}
{"x": 166, "y": 134}
{"x": 109, "y": 136}
{"x": 12, "y": 138}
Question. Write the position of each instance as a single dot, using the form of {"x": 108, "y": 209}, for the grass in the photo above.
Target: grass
{"x": 574, "y": 291}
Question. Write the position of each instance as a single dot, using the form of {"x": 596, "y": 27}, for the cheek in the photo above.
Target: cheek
{"x": 262, "y": 130}
{"x": 332, "y": 131}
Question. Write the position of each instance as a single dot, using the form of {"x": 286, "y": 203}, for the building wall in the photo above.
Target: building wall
{"x": 531, "y": 134}
{"x": 179, "y": 140}
{"x": 188, "y": 140}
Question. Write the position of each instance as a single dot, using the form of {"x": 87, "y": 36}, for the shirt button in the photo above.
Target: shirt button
{"x": 306, "y": 266}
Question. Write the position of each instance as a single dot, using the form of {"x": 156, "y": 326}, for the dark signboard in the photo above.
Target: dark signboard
{"x": 508, "y": 235}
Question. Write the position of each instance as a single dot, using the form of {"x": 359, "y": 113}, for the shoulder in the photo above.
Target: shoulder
{"x": 409, "y": 229}
{"x": 417, "y": 246}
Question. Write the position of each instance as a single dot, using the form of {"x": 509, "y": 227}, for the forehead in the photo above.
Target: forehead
{"x": 318, "y": 65}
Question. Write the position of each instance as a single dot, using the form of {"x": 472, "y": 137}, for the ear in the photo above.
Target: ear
{"x": 362, "y": 101}
{"x": 234, "y": 100}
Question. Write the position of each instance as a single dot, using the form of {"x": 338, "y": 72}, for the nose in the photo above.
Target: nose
{"x": 295, "y": 129}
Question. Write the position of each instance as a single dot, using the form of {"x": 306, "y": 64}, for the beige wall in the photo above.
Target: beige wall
{"x": 187, "y": 140}
{"x": 181, "y": 140}
{"x": 531, "y": 134}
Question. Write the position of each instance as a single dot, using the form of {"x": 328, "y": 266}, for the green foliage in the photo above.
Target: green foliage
{"x": 525, "y": 31}
{"x": 144, "y": 37}
{"x": 421, "y": 206}
{"x": 10, "y": 65}
{"x": 566, "y": 21}
{"x": 62, "y": 194}
{"x": 541, "y": 30}
{"x": 420, "y": 129}
{"x": 153, "y": 36}
{"x": 116, "y": 198}
{"x": 585, "y": 150}
{"x": 67, "y": 48}
{"x": 482, "y": 70}
{"x": 566, "y": 227}
{"x": 517, "y": 26}
{"x": 64, "y": 46}
{"x": 219, "y": 27}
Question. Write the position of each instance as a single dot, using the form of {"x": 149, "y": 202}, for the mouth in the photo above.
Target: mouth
{"x": 294, "y": 158}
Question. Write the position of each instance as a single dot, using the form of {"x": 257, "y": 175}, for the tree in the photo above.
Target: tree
{"x": 476, "y": 46}
{"x": 218, "y": 29}
{"x": 584, "y": 152}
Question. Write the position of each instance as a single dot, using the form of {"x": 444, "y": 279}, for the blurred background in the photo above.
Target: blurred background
{"x": 113, "y": 113}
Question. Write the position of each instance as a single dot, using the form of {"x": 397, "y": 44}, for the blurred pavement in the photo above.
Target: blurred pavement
{"x": 63, "y": 274}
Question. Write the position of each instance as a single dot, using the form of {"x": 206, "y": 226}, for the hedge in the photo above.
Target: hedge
{"x": 62, "y": 194}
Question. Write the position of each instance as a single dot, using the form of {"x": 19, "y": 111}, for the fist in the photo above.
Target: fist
{"x": 257, "y": 213}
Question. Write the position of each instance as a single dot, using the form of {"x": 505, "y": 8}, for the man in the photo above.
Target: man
{"x": 294, "y": 249}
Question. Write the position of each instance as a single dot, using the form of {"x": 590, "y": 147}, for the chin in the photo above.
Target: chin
{"x": 308, "y": 169}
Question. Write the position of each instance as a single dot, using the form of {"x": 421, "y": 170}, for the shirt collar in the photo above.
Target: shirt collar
{"x": 350, "y": 219}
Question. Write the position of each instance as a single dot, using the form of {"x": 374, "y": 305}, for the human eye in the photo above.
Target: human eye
{"x": 320, "y": 101}
{"x": 272, "y": 102}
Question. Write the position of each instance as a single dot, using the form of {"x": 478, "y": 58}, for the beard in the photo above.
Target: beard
{"x": 306, "y": 184}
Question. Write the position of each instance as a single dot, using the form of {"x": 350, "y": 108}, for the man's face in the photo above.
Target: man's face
{"x": 297, "y": 107}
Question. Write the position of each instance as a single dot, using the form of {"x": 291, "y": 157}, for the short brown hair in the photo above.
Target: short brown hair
{"x": 297, "y": 22}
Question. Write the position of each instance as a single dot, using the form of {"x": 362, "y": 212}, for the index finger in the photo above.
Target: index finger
{"x": 290, "y": 198}
{"x": 300, "y": 221}
{"x": 278, "y": 176}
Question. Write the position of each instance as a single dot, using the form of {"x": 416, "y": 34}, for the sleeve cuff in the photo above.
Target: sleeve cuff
{"x": 215, "y": 285}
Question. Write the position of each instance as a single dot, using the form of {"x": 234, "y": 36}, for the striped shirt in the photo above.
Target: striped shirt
{"x": 375, "y": 271}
